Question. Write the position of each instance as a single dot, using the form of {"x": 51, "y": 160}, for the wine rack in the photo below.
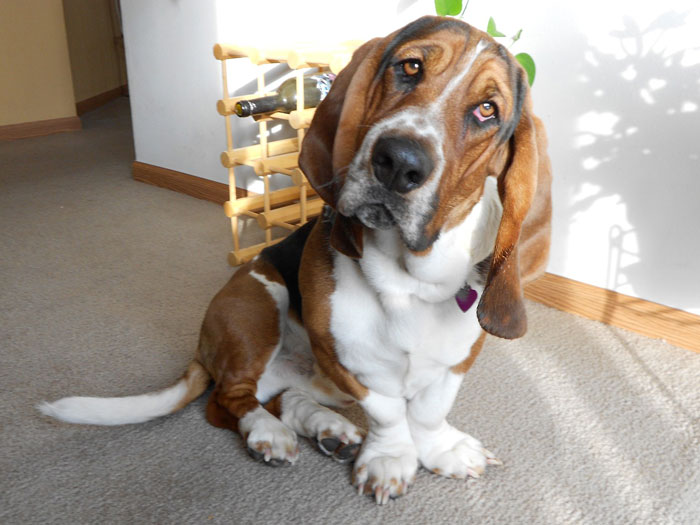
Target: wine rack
{"x": 290, "y": 207}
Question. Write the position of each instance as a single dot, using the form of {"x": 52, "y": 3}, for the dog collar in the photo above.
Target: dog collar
{"x": 466, "y": 298}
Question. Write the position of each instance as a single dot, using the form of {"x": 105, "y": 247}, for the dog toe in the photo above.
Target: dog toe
{"x": 338, "y": 450}
{"x": 347, "y": 453}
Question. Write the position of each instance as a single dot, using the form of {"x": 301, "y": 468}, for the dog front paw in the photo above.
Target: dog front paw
{"x": 454, "y": 454}
{"x": 385, "y": 475}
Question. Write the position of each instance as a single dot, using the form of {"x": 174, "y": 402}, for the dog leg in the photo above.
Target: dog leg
{"x": 387, "y": 462}
{"x": 267, "y": 439}
{"x": 242, "y": 332}
{"x": 333, "y": 434}
{"x": 442, "y": 448}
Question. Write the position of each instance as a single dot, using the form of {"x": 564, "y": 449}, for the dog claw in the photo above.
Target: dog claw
{"x": 382, "y": 495}
{"x": 257, "y": 456}
{"x": 491, "y": 459}
{"x": 267, "y": 459}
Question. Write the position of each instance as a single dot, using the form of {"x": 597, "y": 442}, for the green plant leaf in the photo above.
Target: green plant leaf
{"x": 517, "y": 36}
{"x": 448, "y": 7}
{"x": 528, "y": 65}
{"x": 491, "y": 29}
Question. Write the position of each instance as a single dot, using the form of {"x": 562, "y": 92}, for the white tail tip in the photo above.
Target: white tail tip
{"x": 116, "y": 410}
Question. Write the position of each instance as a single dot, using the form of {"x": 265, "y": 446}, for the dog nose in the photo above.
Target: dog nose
{"x": 400, "y": 164}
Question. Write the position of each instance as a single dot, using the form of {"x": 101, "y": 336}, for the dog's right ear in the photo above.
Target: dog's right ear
{"x": 325, "y": 135}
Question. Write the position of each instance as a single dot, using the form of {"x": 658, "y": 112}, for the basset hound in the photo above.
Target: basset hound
{"x": 437, "y": 183}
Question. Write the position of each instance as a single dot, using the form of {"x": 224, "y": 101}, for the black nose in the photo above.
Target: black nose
{"x": 400, "y": 164}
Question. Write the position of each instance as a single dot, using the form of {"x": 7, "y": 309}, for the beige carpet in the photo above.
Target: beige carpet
{"x": 103, "y": 284}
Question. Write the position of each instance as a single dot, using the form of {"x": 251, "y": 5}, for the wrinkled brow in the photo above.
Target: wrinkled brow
{"x": 418, "y": 29}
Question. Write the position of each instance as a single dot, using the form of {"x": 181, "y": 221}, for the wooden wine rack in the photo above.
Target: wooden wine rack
{"x": 290, "y": 207}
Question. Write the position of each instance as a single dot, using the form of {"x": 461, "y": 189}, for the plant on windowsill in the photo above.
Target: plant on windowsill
{"x": 454, "y": 8}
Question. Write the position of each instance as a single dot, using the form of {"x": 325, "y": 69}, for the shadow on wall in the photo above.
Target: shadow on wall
{"x": 637, "y": 147}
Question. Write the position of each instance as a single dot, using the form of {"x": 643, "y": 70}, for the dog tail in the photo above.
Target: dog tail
{"x": 131, "y": 409}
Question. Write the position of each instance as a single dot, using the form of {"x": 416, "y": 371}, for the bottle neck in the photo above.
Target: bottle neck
{"x": 245, "y": 108}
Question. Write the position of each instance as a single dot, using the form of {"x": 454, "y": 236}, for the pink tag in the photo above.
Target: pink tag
{"x": 466, "y": 298}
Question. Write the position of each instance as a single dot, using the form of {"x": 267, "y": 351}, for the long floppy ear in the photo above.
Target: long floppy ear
{"x": 326, "y": 135}
{"x": 501, "y": 310}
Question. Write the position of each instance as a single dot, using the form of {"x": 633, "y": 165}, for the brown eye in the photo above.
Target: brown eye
{"x": 485, "y": 111}
{"x": 411, "y": 67}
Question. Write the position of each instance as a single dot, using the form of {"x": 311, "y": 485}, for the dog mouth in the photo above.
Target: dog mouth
{"x": 361, "y": 198}
{"x": 375, "y": 216}
{"x": 378, "y": 210}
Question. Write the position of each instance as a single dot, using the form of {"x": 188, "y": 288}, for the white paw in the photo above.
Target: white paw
{"x": 336, "y": 436}
{"x": 454, "y": 454}
{"x": 385, "y": 472}
{"x": 268, "y": 439}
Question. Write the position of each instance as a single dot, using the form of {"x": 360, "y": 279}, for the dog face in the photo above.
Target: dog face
{"x": 407, "y": 136}
{"x": 436, "y": 104}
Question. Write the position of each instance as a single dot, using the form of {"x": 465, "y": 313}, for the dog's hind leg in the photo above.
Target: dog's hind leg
{"x": 333, "y": 434}
{"x": 241, "y": 335}
{"x": 295, "y": 390}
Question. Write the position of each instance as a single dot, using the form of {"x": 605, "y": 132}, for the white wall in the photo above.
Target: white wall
{"x": 618, "y": 86}
{"x": 174, "y": 83}
{"x": 619, "y": 89}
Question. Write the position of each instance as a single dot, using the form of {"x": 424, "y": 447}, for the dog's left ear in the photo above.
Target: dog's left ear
{"x": 501, "y": 310}
{"x": 326, "y": 172}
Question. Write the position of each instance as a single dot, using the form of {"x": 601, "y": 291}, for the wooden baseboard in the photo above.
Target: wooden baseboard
{"x": 637, "y": 315}
{"x": 184, "y": 183}
{"x": 100, "y": 100}
{"x": 39, "y": 128}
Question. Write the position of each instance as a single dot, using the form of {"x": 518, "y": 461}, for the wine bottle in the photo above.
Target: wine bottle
{"x": 316, "y": 87}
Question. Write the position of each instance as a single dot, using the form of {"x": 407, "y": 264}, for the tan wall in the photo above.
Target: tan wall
{"x": 35, "y": 74}
{"x": 95, "y": 63}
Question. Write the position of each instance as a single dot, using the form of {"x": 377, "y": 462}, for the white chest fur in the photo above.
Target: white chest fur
{"x": 395, "y": 320}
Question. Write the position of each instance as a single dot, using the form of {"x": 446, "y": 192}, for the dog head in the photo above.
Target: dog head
{"x": 407, "y": 136}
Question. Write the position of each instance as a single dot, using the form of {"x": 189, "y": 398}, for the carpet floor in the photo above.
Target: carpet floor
{"x": 103, "y": 284}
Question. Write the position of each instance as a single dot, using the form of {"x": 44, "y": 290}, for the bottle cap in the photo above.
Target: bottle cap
{"x": 242, "y": 108}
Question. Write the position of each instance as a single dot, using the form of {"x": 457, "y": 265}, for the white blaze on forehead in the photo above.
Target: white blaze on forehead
{"x": 440, "y": 102}
{"x": 422, "y": 122}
